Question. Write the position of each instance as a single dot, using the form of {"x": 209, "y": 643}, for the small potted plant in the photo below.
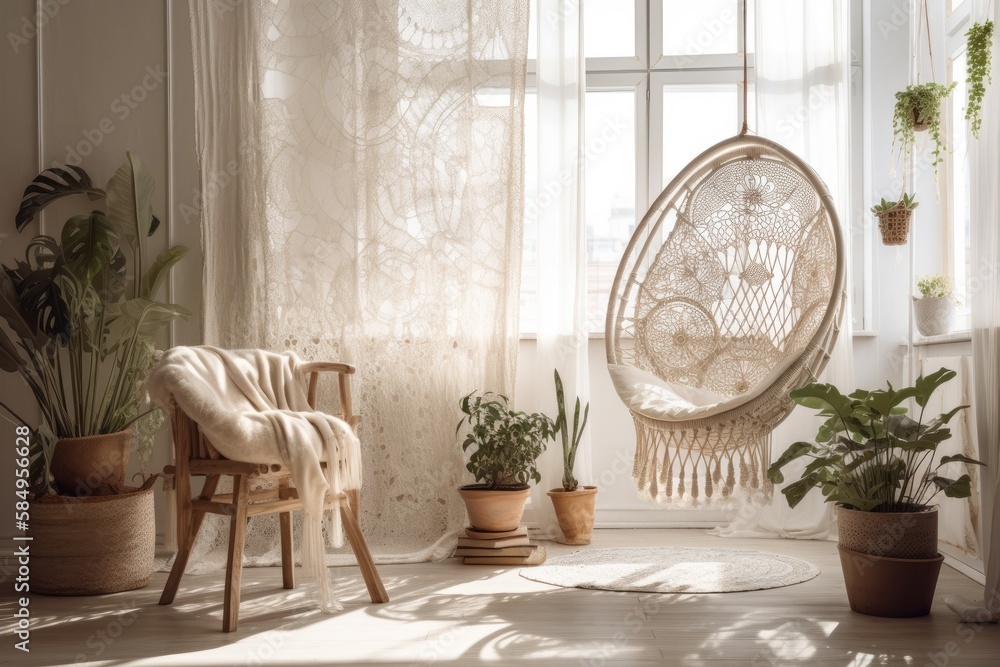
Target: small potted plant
{"x": 503, "y": 445}
{"x": 878, "y": 465}
{"x": 83, "y": 310}
{"x": 574, "y": 504}
{"x": 978, "y": 52}
{"x": 918, "y": 108}
{"x": 935, "y": 309}
{"x": 894, "y": 218}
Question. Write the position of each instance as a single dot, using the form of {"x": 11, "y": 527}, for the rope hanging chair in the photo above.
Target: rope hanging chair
{"x": 729, "y": 295}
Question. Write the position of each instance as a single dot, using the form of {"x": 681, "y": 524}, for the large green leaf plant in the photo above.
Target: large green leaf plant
{"x": 869, "y": 455}
{"x": 82, "y": 309}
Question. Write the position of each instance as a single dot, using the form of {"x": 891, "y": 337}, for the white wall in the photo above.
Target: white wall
{"x": 72, "y": 72}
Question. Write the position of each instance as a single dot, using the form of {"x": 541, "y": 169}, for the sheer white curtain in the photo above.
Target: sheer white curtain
{"x": 984, "y": 166}
{"x": 559, "y": 214}
{"x": 362, "y": 169}
{"x": 802, "y": 74}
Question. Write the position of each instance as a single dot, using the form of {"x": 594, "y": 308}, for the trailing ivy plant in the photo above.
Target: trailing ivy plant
{"x": 936, "y": 286}
{"x": 977, "y": 71}
{"x": 506, "y": 443}
{"x": 920, "y": 104}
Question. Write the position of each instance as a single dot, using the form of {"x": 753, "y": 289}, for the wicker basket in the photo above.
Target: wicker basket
{"x": 92, "y": 545}
{"x": 894, "y": 224}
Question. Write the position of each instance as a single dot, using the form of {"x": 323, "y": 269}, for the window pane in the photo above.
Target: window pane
{"x": 695, "y": 117}
{"x": 609, "y": 28}
{"x": 610, "y": 191}
{"x": 703, "y": 27}
{"x": 961, "y": 216}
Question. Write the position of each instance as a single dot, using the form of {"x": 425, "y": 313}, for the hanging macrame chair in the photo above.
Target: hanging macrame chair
{"x": 729, "y": 295}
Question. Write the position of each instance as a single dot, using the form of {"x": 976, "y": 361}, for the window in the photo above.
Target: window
{"x": 663, "y": 84}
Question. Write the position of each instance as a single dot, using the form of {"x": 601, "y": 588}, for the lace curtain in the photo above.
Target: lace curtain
{"x": 362, "y": 177}
{"x": 802, "y": 76}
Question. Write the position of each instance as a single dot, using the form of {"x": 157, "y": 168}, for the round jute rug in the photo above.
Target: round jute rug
{"x": 673, "y": 570}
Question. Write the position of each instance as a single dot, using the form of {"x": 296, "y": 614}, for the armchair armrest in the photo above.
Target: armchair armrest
{"x": 344, "y": 373}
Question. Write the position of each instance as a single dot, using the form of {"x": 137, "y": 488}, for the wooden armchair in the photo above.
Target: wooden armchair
{"x": 195, "y": 456}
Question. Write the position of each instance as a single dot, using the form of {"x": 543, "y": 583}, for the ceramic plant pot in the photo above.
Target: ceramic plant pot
{"x": 575, "y": 512}
{"x": 890, "y": 561}
{"x": 494, "y": 510}
{"x": 92, "y": 464}
{"x": 933, "y": 315}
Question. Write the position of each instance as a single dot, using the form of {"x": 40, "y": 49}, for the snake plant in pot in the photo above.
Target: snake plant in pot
{"x": 881, "y": 468}
{"x": 503, "y": 445}
{"x": 81, "y": 312}
{"x": 573, "y": 503}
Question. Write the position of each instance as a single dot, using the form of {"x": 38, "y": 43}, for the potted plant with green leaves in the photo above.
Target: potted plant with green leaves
{"x": 894, "y": 218}
{"x": 503, "y": 445}
{"x": 82, "y": 309}
{"x": 881, "y": 468}
{"x": 935, "y": 309}
{"x": 918, "y": 108}
{"x": 574, "y": 503}
{"x": 978, "y": 54}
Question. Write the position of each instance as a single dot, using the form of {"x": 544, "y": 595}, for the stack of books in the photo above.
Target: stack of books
{"x": 480, "y": 547}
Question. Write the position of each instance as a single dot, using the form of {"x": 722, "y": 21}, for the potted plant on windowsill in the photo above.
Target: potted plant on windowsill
{"x": 918, "y": 108}
{"x": 574, "y": 504}
{"x": 894, "y": 219}
{"x": 935, "y": 309}
{"x": 878, "y": 465}
{"x": 82, "y": 309}
{"x": 503, "y": 446}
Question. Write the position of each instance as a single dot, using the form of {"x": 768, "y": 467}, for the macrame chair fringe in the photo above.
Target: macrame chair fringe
{"x": 732, "y": 282}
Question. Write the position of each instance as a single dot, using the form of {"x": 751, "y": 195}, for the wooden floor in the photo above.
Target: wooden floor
{"x": 450, "y": 614}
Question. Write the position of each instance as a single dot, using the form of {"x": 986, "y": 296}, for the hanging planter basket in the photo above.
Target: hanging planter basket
{"x": 918, "y": 124}
{"x": 894, "y": 224}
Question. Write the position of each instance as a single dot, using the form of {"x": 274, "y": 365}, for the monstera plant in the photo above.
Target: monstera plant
{"x": 82, "y": 310}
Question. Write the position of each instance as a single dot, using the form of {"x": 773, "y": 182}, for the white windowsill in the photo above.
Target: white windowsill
{"x": 943, "y": 339}
{"x": 864, "y": 333}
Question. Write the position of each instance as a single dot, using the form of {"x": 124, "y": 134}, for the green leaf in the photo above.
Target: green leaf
{"x": 88, "y": 244}
{"x": 820, "y": 396}
{"x": 130, "y": 197}
{"x": 795, "y": 450}
{"x": 159, "y": 270}
{"x": 795, "y": 492}
{"x": 959, "y": 458}
{"x": 926, "y": 385}
{"x": 52, "y": 184}
{"x": 149, "y": 315}
{"x": 954, "y": 488}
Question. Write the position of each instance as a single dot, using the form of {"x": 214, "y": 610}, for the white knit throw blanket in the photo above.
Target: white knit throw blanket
{"x": 252, "y": 406}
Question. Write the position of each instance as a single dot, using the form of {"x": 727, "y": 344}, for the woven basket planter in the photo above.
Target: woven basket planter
{"x": 933, "y": 315}
{"x": 894, "y": 224}
{"x": 92, "y": 545}
{"x": 890, "y": 560}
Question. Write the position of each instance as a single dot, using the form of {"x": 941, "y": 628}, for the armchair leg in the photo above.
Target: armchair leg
{"x": 287, "y": 551}
{"x": 184, "y": 550}
{"x": 234, "y": 568}
{"x": 372, "y": 580}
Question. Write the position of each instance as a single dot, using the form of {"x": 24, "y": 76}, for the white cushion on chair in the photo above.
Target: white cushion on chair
{"x": 652, "y": 397}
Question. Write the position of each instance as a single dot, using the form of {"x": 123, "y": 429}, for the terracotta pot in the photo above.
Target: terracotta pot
{"x": 889, "y": 534}
{"x": 890, "y": 587}
{"x": 933, "y": 315}
{"x": 575, "y": 512}
{"x": 494, "y": 510}
{"x": 82, "y": 466}
{"x": 92, "y": 545}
